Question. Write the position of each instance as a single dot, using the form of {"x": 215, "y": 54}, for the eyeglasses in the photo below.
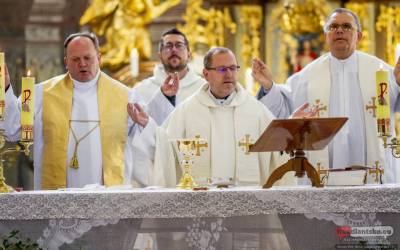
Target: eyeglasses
{"x": 170, "y": 46}
{"x": 335, "y": 27}
{"x": 223, "y": 69}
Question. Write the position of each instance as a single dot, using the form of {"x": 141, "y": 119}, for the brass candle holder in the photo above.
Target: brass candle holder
{"x": 4, "y": 188}
{"x": 394, "y": 143}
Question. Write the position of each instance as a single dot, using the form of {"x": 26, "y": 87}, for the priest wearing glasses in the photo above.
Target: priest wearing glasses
{"x": 228, "y": 117}
{"x": 342, "y": 82}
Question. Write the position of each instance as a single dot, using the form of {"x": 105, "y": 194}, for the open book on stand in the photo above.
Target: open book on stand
{"x": 350, "y": 176}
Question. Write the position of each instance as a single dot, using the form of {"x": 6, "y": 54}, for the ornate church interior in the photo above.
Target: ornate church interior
{"x": 285, "y": 34}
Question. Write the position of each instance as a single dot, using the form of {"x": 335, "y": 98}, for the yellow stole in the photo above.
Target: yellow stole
{"x": 112, "y": 99}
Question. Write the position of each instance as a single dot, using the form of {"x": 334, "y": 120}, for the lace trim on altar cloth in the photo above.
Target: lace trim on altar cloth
{"x": 63, "y": 231}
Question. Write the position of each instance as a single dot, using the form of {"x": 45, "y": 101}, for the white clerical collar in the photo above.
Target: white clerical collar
{"x": 224, "y": 101}
{"x": 349, "y": 63}
{"x": 86, "y": 85}
{"x": 349, "y": 59}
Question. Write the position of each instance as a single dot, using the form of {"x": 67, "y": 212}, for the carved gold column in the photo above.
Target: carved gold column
{"x": 389, "y": 21}
{"x": 363, "y": 11}
{"x": 251, "y": 18}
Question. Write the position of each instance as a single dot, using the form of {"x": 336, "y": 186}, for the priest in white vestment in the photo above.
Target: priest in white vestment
{"x": 173, "y": 80}
{"x": 224, "y": 114}
{"x": 81, "y": 123}
{"x": 342, "y": 83}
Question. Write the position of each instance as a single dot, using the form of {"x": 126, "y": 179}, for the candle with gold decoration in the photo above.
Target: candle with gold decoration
{"x": 2, "y": 86}
{"x": 28, "y": 107}
{"x": 383, "y": 97}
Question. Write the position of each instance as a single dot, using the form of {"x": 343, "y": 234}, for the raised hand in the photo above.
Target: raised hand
{"x": 7, "y": 76}
{"x": 261, "y": 73}
{"x": 171, "y": 85}
{"x": 397, "y": 71}
{"x": 137, "y": 114}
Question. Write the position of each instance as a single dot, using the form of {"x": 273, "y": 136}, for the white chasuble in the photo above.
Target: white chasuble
{"x": 225, "y": 127}
{"x": 344, "y": 88}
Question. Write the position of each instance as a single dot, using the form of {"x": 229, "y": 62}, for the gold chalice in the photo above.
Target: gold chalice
{"x": 186, "y": 149}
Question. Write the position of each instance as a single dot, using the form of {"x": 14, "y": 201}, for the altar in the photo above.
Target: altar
{"x": 235, "y": 218}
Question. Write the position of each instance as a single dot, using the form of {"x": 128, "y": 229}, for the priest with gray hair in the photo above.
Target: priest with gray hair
{"x": 343, "y": 83}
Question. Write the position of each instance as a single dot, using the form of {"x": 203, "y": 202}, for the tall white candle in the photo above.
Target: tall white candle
{"x": 134, "y": 61}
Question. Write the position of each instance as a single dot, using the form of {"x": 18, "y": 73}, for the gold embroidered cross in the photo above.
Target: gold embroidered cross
{"x": 373, "y": 106}
{"x": 320, "y": 107}
{"x": 377, "y": 171}
{"x": 198, "y": 145}
{"x": 246, "y": 144}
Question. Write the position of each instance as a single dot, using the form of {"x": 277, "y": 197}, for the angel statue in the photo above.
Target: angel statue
{"x": 123, "y": 23}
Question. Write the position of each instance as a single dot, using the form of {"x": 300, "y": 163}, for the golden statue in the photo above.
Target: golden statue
{"x": 300, "y": 17}
{"x": 123, "y": 23}
{"x": 206, "y": 26}
{"x": 288, "y": 20}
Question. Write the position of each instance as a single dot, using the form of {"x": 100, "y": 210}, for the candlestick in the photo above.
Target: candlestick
{"x": 27, "y": 109}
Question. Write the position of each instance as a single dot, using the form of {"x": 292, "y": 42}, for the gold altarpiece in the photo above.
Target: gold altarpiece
{"x": 272, "y": 30}
{"x": 278, "y": 32}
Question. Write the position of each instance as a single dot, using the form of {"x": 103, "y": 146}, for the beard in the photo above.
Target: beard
{"x": 173, "y": 68}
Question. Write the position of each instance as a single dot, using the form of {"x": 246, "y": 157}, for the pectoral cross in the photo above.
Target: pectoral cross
{"x": 377, "y": 171}
{"x": 198, "y": 145}
{"x": 246, "y": 144}
{"x": 373, "y": 106}
{"x": 320, "y": 107}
